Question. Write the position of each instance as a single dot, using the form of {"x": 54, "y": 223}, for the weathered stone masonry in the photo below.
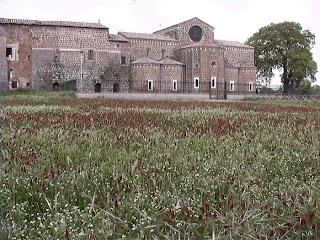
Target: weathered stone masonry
{"x": 85, "y": 57}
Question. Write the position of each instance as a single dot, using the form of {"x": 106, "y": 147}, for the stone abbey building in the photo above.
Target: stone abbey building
{"x": 85, "y": 57}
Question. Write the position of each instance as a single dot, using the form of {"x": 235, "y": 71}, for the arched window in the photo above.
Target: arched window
{"x": 196, "y": 82}
{"x": 55, "y": 86}
{"x": 10, "y": 73}
{"x": 116, "y": 87}
{"x": 97, "y": 87}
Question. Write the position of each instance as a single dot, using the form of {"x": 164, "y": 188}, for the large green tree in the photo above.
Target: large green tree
{"x": 287, "y": 47}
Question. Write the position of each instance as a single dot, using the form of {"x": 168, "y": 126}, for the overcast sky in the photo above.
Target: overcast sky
{"x": 233, "y": 19}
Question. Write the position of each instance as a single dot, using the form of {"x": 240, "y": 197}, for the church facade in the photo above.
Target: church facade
{"x": 185, "y": 57}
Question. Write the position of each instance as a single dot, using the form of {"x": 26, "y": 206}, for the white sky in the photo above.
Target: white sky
{"x": 233, "y": 19}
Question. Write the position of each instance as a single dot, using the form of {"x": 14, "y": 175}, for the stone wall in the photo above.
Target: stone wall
{"x": 3, "y": 61}
{"x": 42, "y": 68}
{"x": 58, "y": 54}
{"x": 239, "y": 56}
{"x": 168, "y": 73}
{"x": 88, "y": 56}
{"x": 19, "y": 38}
{"x": 83, "y": 55}
{"x": 203, "y": 63}
{"x": 241, "y": 77}
{"x": 141, "y": 73}
{"x": 247, "y": 76}
{"x": 181, "y": 32}
{"x": 104, "y": 68}
{"x": 70, "y": 37}
{"x": 111, "y": 72}
{"x": 154, "y": 49}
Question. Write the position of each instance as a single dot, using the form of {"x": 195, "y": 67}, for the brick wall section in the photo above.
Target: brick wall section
{"x": 42, "y": 68}
{"x": 199, "y": 64}
{"x": 111, "y": 71}
{"x": 105, "y": 69}
{"x": 232, "y": 74}
{"x": 3, "y": 61}
{"x": 207, "y": 69}
{"x": 138, "y": 49}
{"x": 247, "y": 75}
{"x": 239, "y": 56}
{"x": 71, "y": 46}
{"x": 20, "y": 37}
{"x": 241, "y": 77}
{"x": 141, "y": 73}
{"x": 50, "y": 54}
{"x": 168, "y": 74}
{"x": 70, "y": 37}
{"x": 181, "y": 32}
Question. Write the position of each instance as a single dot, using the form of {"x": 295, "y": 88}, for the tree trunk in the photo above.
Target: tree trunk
{"x": 285, "y": 78}
{"x": 285, "y": 86}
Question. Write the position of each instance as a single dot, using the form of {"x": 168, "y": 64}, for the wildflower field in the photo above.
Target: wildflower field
{"x": 123, "y": 169}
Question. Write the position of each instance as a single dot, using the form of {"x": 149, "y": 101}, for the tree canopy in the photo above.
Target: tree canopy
{"x": 287, "y": 47}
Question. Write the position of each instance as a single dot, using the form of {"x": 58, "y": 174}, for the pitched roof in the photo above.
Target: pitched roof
{"x": 144, "y": 60}
{"x": 231, "y": 44}
{"x": 52, "y": 23}
{"x": 147, "y": 36}
{"x": 169, "y": 61}
{"x": 175, "y": 25}
{"x": 117, "y": 38}
{"x": 200, "y": 44}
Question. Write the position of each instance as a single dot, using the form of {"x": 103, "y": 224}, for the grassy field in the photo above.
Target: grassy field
{"x": 119, "y": 169}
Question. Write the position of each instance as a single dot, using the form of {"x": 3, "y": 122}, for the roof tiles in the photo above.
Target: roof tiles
{"x": 147, "y": 36}
{"x": 117, "y": 38}
{"x": 231, "y": 44}
{"x": 52, "y": 23}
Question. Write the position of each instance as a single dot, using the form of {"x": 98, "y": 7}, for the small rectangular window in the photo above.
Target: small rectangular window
{"x": 90, "y": 55}
{"x": 123, "y": 60}
{"x": 10, "y": 74}
{"x": 14, "y": 84}
{"x": 56, "y": 59}
{"x": 176, "y": 35}
{"x": 148, "y": 52}
{"x": 196, "y": 82}
{"x": 174, "y": 85}
{"x": 250, "y": 86}
{"x": 231, "y": 86}
{"x": 150, "y": 85}
{"x": 163, "y": 53}
{"x": 213, "y": 82}
{"x": 9, "y": 52}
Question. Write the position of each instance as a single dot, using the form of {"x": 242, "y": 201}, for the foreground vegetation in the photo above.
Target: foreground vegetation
{"x": 110, "y": 169}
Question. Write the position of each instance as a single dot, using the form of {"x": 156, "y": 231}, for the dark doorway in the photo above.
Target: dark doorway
{"x": 116, "y": 87}
{"x": 14, "y": 84}
{"x": 71, "y": 85}
{"x": 55, "y": 87}
{"x": 97, "y": 87}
